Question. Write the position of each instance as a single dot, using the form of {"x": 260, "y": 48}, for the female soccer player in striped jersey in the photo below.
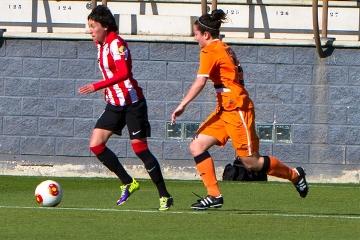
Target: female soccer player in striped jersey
{"x": 233, "y": 118}
{"x": 126, "y": 105}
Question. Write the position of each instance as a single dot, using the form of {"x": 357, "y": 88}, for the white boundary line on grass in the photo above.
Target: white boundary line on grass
{"x": 283, "y": 183}
{"x": 190, "y": 212}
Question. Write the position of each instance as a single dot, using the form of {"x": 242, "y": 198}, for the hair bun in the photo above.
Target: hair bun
{"x": 218, "y": 15}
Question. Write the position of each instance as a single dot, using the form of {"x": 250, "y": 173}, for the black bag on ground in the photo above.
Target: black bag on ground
{"x": 238, "y": 172}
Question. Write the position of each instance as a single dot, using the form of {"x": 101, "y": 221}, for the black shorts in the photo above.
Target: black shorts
{"x": 114, "y": 118}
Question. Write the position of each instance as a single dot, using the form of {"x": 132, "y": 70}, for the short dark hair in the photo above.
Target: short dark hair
{"x": 103, "y": 15}
{"x": 211, "y": 22}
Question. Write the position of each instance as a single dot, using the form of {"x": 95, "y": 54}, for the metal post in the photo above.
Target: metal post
{"x": 213, "y": 5}
{"x": 2, "y": 41}
{"x": 316, "y": 28}
{"x": 93, "y": 3}
{"x": 325, "y": 10}
{"x": 203, "y": 7}
{"x": 2, "y": 30}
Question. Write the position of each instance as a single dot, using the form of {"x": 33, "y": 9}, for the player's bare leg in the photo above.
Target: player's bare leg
{"x": 206, "y": 169}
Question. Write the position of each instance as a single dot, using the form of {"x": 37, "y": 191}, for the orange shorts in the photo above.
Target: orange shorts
{"x": 237, "y": 125}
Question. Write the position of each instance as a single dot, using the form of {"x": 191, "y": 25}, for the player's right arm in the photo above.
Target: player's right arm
{"x": 194, "y": 90}
{"x": 206, "y": 65}
{"x": 120, "y": 54}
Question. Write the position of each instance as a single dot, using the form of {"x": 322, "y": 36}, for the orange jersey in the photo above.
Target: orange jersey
{"x": 218, "y": 64}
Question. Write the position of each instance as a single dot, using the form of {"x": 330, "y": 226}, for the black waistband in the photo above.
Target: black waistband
{"x": 113, "y": 108}
{"x": 217, "y": 86}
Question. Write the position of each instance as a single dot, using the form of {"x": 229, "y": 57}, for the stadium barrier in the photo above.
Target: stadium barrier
{"x": 266, "y": 19}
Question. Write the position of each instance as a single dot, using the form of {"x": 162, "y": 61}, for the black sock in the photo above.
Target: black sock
{"x": 110, "y": 160}
{"x": 153, "y": 168}
{"x": 266, "y": 165}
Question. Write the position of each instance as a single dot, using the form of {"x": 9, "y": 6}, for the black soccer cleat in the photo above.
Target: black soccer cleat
{"x": 208, "y": 202}
{"x": 301, "y": 185}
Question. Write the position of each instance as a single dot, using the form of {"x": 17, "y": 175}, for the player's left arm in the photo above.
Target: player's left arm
{"x": 120, "y": 55}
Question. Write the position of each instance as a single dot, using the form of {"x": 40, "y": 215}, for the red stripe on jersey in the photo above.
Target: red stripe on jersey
{"x": 102, "y": 68}
{"x": 115, "y": 64}
{"x": 110, "y": 62}
{"x": 114, "y": 96}
{"x": 126, "y": 93}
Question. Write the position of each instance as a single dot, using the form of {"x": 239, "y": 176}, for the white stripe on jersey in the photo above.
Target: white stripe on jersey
{"x": 109, "y": 96}
{"x": 105, "y": 61}
{"x": 109, "y": 74}
{"x": 119, "y": 94}
{"x": 114, "y": 50}
{"x": 132, "y": 91}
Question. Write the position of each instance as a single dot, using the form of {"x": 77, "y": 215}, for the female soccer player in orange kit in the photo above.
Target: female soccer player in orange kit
{"x": 233, "y": 118}
{"x": 126, "y": 105}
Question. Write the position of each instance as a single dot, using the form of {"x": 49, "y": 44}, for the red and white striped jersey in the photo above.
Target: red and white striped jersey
{"x": 116, "y": 67}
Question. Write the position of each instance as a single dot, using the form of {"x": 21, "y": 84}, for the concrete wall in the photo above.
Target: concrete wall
{"x": 45, "y": 123}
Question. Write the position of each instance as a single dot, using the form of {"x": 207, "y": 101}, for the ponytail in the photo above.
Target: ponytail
{"x": 211, "y": 22}
{"x": 218, "y": 15}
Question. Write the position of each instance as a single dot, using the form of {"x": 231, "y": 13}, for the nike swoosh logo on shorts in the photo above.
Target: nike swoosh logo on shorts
{"x": 134, "y": 133}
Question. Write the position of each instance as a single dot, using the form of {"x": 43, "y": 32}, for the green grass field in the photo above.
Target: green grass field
{"x": 251, "y": 211}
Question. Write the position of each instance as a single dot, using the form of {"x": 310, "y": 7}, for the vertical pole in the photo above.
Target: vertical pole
{"x": 325, "y": 10}
{"x": 315, "y": 15}
{"x": 213, "y": 5}
{"x": 104, "y": 2}
{"x": 34, "y": 18}
{"x": 93, "y": 3}
{"x": 203, "y": 7}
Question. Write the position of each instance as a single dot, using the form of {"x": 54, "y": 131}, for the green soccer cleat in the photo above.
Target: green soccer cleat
{"x": 166, "y": 203}
{"x": 127, "y": 190}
